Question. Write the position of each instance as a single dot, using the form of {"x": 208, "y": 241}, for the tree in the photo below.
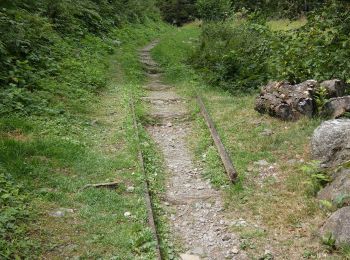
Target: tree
{"x": 214, "y": 10}
{"x": 178, "y": 12}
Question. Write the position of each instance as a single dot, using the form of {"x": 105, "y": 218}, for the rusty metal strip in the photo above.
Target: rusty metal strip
{"x": 149, "y": 205}
{"x": 225, "y": 158}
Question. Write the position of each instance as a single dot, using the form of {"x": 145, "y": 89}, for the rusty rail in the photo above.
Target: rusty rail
{"x": 225, "y": 158}
{"x": 149, "y": 205}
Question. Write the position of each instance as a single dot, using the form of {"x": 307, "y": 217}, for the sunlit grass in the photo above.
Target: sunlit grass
{"x": 286, "y": 24}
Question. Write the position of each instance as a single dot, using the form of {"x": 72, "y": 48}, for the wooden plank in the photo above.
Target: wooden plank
{"x": 225, "y": 158}
{"x": 149, "y": 205}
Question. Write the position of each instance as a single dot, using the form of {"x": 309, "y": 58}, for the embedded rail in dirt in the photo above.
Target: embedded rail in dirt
{"x": 194, "y": 208}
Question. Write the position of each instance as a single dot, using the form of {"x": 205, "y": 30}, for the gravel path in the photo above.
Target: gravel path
{"x": 195, "y": 210}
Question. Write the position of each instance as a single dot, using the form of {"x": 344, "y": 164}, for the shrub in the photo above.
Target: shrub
{"x": 40, "y": 38}
{"x": 13, "y": 214}
{"x": 243, "y": 54}
{"x": 320, "y": 50}
{"x": 234, "y": 54}
{"x": 214, "y": 10}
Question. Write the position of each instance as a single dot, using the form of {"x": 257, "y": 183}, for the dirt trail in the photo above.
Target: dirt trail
{"x": 194, "y": 208}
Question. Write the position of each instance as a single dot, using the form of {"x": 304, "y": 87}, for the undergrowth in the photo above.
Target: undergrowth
{"x": 80, "y": 133}
{"x": 245, "y": 50}
{"x": 276, "y": 201}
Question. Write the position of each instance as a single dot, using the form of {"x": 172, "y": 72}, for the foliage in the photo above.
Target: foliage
{"x": 214, "y": 10}
{"x": 329, "y": 241}
{"x": 319, "y": 50}
{"x": 320, "y": 98}
{"x": 234, "y": 54}
{"x": 55, "y": 66}
{"x": 72, "y": 142}
{"x": 178, "y": 12}
{"x": 14, "y": 212}
{"x": 318, "y": 178}
{"x": 278, "y": 8}
{"x": 37, "y": 35}
{"x": 244, "y": 53}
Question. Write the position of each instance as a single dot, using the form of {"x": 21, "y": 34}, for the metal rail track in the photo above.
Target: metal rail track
{"x": 150, "y": 212}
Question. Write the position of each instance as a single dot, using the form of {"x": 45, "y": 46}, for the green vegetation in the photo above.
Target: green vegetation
{"x": 278, "y": 8}
{"x": 66, "y": 78}
{"x": 178, "y": 12}
{"x": 273, "y": 199}
{"x": 68, "y": 72}
{"x": 247, "y": 50}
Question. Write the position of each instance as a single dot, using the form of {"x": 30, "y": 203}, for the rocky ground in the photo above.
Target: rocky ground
{"x": 194, "y": 208}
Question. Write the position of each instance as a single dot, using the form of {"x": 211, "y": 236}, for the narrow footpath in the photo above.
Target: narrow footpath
{"x": 195, "y": 209}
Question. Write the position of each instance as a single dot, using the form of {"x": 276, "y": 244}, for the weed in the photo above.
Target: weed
{"x": 321, "y": 98}
{"x": 329, "y": 241}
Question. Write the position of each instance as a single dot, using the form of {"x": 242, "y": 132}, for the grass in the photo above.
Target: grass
{"x": 89, "y": 139}
{"x": 276, "y": 201}
{"x": 286, "y": 24}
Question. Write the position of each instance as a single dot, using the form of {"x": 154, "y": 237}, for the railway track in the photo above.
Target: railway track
{"x": 169, "y": 131}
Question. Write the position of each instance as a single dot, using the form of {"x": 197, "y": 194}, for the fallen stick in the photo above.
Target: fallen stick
{"x": 109, "y": 185}
{"x": 225, "y": 158}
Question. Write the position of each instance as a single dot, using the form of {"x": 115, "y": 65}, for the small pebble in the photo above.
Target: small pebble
{"x": 235, "y": 250}
{"x": 130, "y": 189}
{"x": 226, "y": 238}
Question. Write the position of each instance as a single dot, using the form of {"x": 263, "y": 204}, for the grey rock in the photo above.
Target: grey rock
{"x": 57, "y": 214}
{"x": 261, "y": 163}
{"x": 336, "y": 107}
{"x": 61, "y": 212}
{"x": 226, "y": 238}
{"x": 292, "y": 162}
{"x": 198, "y": 251}
{"x": 267, "y": 132}
{"x": 338, "y": 225}
{"x": 189, "y": 257}
{"x": 340, "y": 186}
{"x": 334, "y": 87}
{"x": 127, "y": 214}
{"x": 330, "y": 143}
{"x": 235, "y": 251}
{"x": 130, "y": 189}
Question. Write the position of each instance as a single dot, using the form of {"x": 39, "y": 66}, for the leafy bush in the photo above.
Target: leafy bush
{"x": 319, "y": 50}
{"x": 178, "y": 11}
{"x": 41, "y": 39}
{"x": 234, "y": 54}
{"x": 13, "y": 215}
{"x": 214, "y": 10}
{"x": 278, "y": 8}
{"x": 243, "y": 53}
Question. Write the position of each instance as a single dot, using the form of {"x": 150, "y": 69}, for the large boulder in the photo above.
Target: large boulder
{"x": 286, "y": 101}
{"x": 338, "y": 226}
{"x": 338, "y": 188}
{"x": 330, "y": 143}
{"x": 334, "y": 87}
{"x": 336, "y": 107}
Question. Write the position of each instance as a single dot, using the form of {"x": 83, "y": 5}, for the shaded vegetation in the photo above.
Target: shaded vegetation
{"x": 178, "y": 12}
{"x": 245, "y": 51}
{"x": 62, "y": 114}
{"x": 275, "y": 202}
{"x": 41, "y": 40}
